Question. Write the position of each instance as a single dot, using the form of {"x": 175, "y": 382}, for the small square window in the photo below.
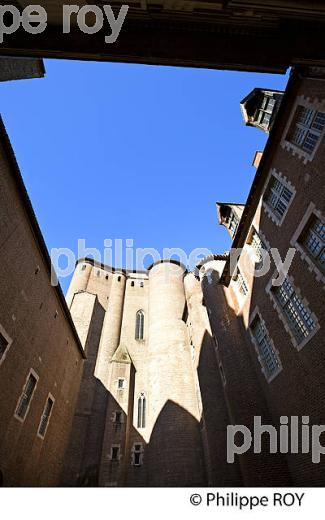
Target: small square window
{"x": 120, "y": 383}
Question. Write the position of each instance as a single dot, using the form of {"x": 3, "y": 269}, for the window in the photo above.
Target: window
{"x": 26, "y": 397}
{"x": 139, "y": 325}
{"x": 313, "y": 240}
{"x": 298, "y": 317}
{"x": 141, "y": 284}
{"x": 137, "y": 455}
{"x": 277, "y": 197}
{"x": 106, "y": 277}
{"x": 115, "y": 453}
{"x": 132, "y": 284}
{"x": 4, "y": 344}
{"x": 241, "y": 284}
{"x": 121, "y": 383}
{"x": 118, "y": 417}
{"x": 232, "y": 221}
{"x": 118, "y": 278}
{"x": 267, "y": 355}
{"x": 257, "y": 244}
{"x": 98, "y": 273}
{"x": 46, "y": 417}
{"x": 83, "y": 267}
{"x": 141, "y": 423}
{"x": 265, "y": 112}
{"x": 306, "y": 129}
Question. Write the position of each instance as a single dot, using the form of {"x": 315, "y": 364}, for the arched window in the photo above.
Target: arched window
{"x": 141, "y": 411}
{"x": 139, "y": 325}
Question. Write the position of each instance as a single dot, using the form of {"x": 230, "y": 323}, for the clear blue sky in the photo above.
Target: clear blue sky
{"x": 130, "y": 151}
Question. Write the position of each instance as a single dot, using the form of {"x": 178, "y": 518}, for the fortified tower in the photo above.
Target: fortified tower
{"x": 139, "y": 419}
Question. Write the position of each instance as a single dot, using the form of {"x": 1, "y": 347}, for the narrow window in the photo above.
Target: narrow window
{"x": 298, "y": 317}
{"x": 306, "y": 129}
{"x": 241, "y": 284}
{"x": 139, "y": 325}
{"x": 277, "y": 197}
{"x": 26, "y": 397}
{"x": 141, "y": 423}
{"x": 267, "y": 356}
{"x": 313, "y": 240}
{"x": 137, "y": 455}
{"x": 120, "y": 383}
{"x": 83, "y": 267}
{"x": 132, "y": 284}
{"x": 106, "y": 277}
{"x": 45, "y": 419}
{"x": 115, "y": 453}
{"x": 118, "y": 278}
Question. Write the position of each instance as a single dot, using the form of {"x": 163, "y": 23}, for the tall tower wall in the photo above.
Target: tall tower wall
{"x": 175, "y": 450}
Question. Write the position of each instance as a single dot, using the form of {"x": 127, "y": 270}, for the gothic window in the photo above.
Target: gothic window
{"x": 26, "y": 397}
{"x": 306, "y": 129}
{"x": 267, "y": 355}
{"x": 139, "y": 325}
{"x": 45, "y": 417}
{"x": 141, "y": 422}
{"x": 277, "y": 197}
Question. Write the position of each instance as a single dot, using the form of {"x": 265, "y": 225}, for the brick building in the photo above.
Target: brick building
{"x": 172, "y": 357}
{"x": 41, "y": 357}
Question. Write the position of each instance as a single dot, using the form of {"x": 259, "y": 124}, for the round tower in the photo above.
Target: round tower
{"x": 174, "y": 453}
{"x": 79, "y": 280}
{"x": 110, "y": 336}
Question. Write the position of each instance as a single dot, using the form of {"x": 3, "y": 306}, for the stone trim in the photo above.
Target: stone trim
{"x": 306, "y": 102}
{"x": 256, "y": 312}
{"x": 9, "y": 340}
{"x": 286, "y": 182}
{"x": 281, "y": 315}
{"x": 304, "y": 254}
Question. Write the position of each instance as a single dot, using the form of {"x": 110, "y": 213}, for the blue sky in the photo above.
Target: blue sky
{"x": 138, "y": 152}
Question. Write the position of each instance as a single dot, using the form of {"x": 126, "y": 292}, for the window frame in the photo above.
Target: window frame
{"x": 35, "y": 375}
{"x": 284, "y": 316}
{"x": 303, "y": 252}
{"x": 256, "y": 315}
{"x": 304, "y": 102}
{"x": 42, "y": 435}
{"x": 139, "y": 325}
{"x": 269, "y": 209}
{"x": 141, "y": 411}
